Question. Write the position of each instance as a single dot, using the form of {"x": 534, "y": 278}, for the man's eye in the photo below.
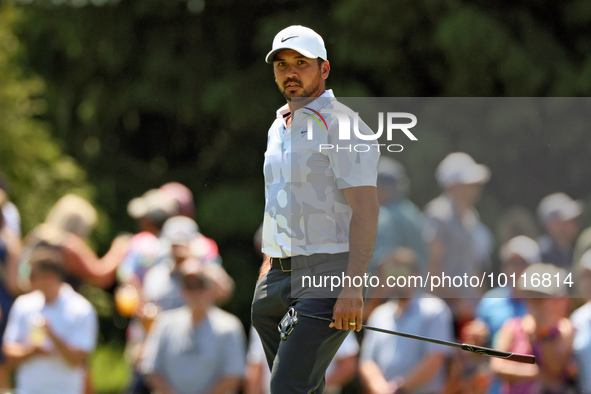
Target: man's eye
{"x": 301, "y": 62}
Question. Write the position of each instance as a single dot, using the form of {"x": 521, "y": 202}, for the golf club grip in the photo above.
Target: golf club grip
{"x": 520, "y": 358}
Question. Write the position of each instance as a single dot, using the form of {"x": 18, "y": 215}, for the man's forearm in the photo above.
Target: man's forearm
{"x": 160, "y": 384}
{"x": 343, "y": 373}
{"x": 17, "y": 353}
{"x": 361, "y": 241}
{"x": 363, "y": 228}
{"x": 372, "y": 378}
{"x": 226, "y": 385}
{"x": 74, "y": 357}
{"x": 424, "y": 372}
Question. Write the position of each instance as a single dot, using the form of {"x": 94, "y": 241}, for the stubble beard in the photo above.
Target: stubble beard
{"x": 309, "y": 91}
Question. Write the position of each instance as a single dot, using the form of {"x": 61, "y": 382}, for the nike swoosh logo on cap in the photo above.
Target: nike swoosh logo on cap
{"x": 285, "y": 39}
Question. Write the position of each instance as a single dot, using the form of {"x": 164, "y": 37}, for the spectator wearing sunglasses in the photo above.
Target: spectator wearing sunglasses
{"x": 197, "y": 348}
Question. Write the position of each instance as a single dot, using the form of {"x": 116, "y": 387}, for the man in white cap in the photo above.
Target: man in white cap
{"x": 558, "y": 213}
{"x": 544, "y": 331}
{"x": 505, "y": 301}
{"x": 400, "y": 222}
{"x": 197, "y": 348}
{"x": 321, "y": 214}
{"x": 458, "y": 242}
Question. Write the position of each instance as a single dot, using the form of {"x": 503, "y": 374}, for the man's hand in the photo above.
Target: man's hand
{"x": 73, "y": 356}
{"x": 347, "y": 310}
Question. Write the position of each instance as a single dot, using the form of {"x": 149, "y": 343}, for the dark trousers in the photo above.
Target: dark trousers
{"x": 298, "y": 365}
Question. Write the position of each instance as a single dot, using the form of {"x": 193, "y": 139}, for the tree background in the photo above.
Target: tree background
{"x": 109, "y": 98}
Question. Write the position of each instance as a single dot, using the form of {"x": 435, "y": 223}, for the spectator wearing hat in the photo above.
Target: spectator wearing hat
{"x": 51, "y": 331}
{"x": 544, "y": 331}
{"x": 559, "y": 213}
{"x": 197, "y": 348}
{"x": 459, "y": 243}
{"x": 201, "y": 246}
{"x": 145, "y": 250}
{"x": 151, "y": 211}
{"x": 183, "y": 196}
{"x": 162, "y": 283}
{"x": 400, "y": 222}
{"x": 501, "y": 303}
{"x": 10, "y": 246}
{"x": 581, "y": 320}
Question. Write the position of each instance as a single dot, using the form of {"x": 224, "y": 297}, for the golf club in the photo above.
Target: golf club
{"x": 290, "y": 320}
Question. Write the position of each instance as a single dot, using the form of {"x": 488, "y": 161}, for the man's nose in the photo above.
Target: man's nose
{"x": 291, "y": 72}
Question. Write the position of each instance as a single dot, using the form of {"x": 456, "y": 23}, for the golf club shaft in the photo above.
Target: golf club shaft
{"x": 521, "y": 358}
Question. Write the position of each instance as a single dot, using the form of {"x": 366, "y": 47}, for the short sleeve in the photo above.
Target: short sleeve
{"x": 84, "y": 337}
{"x": 439, "y": 326}
{"x": 433, "y": 229}
{"x": 234, "y": 351}
{"x": 371, "y": 340}
{"x": 354, "y": 162}
{"x": 368, "y": 347}
{"x": 151, "y": 360}
{"x": 256, "y": 353}
{"x": 350, "y": 347}
{"x": 16, "y": 328}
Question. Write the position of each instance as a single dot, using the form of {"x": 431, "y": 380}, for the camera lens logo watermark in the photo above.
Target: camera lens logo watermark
{"x": 344, "y": 134}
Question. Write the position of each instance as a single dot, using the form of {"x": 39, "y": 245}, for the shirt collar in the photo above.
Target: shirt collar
{"x": 284, "y": 110}
{"x": 62, "y": 295}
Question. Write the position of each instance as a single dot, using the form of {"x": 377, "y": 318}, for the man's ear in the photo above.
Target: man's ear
{"x": 325, "y": 69}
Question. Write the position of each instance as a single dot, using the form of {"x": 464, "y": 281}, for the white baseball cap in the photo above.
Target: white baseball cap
{"x": 522, "y": 246}
{"x": 553, "y": 289}
{"x": 152, "y": 203}
{"x": 180, "y": 230}
{"x": 559, "y": 206}
{"x": 586, "y": 260}
{"x": 460, "y": 168}
{"x": 299, "y": 38}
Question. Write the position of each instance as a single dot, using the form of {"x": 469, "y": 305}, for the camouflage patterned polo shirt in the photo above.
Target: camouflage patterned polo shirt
{"x": 307, "y": 166}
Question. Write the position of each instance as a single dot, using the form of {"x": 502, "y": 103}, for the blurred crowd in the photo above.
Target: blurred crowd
{"x": 168, "y": 279}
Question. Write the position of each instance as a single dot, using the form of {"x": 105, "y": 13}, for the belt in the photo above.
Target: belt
{"x": 282, "y": 264}
{"x": 289, "y": 264}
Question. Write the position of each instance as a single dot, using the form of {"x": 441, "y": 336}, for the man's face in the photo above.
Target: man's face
{"x": 197, "y": 292}
{"x": 37, "y": 279}
{"x": 514, "y": 265}
{"x": 564, "y": 230}
{"x": 180, "y": 251}
{"x": 42, "y": 280}
{"x": 469, "y": 193}
{"x": 299, "y": 76}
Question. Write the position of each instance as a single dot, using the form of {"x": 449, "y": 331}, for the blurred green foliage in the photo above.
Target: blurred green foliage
{"x": 110, "y": 374}
{"x": 30, "y": 156}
